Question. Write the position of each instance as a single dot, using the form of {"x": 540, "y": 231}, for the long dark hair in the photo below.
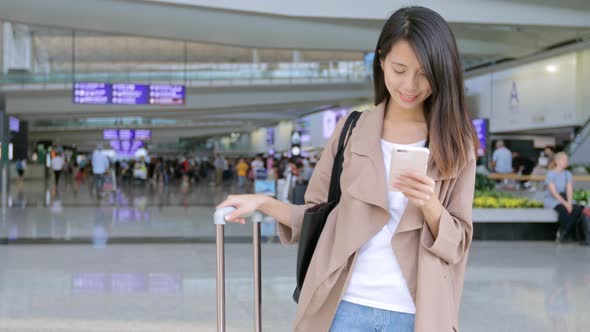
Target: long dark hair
{"x": 451, "y": 135}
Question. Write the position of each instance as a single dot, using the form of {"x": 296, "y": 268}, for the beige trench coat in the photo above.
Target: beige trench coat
{"x": 433, "y": 268}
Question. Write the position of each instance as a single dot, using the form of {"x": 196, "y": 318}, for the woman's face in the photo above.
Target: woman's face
{"x": 562, "y": 161}
{"x": 404, "y": 77}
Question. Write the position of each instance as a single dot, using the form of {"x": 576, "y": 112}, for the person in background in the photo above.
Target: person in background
{"x": 242, "y": 172}
{"x": 502, "y": 158}
{"x": 220, "y": 165}
{"x": 100, "y": 166}
{"x": 21, "y": 166}
{"x": 257, "y": 164}
{"x": 273, "y": 173}
{"x": 57, "y": 165}
{"x": 549, "y": 153}
{"x": 270, "y": 162}
{"x": 82, "y": 168}
{"x": 522, "y": 166}
{"x": 309, "y": 171}
{"x": 481, "y": 168}
{"x": 560, "y": 196}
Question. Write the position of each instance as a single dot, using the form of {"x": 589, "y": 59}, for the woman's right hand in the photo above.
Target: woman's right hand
{"x": 244, "y": 204}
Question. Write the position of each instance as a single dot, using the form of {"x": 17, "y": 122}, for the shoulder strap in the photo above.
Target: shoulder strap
{"x": 335, "y": 191}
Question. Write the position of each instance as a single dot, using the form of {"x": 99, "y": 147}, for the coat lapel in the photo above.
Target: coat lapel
{"x": 371, "y": 185}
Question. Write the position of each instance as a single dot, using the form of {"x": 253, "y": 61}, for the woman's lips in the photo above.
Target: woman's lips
{"x": 407, "y": 98}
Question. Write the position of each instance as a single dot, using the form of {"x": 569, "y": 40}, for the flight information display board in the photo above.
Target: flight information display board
{"x": 166, "y": 94}
{"x": 127, "y": 134}
{"x": 92, "y": 93}
{"x": 128, "y": 94}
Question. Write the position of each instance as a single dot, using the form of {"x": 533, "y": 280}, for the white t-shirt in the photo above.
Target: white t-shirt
{"x": 503, "y": 159}
{"x": 377, "y": 280}
{"x": 100, "y": 162}
{"x": 256, "y": 164}
{"x": 57, "y": 163}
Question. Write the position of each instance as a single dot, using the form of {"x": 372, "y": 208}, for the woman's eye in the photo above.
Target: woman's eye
{"x": 398, "y": 72}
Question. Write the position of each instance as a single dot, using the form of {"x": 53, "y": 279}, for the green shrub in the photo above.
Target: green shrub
{"x": 483, "y": 183}
{"x": 582, "y": 196}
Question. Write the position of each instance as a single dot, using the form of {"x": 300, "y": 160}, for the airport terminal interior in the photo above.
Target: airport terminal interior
{"x": 124, "y": 123}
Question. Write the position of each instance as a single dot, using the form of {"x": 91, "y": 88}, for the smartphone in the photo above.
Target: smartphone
{"x": 407, "y": 159}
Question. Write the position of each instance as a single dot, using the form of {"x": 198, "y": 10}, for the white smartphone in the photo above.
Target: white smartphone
{"x": 407, "y": 159}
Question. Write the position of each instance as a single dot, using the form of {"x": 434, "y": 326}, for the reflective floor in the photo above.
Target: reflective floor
{"x": 144, "y": 260}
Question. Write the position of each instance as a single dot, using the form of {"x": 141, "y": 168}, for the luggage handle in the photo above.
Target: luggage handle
{"x": 219, "y": 221}
{"x": 221, "y": 213}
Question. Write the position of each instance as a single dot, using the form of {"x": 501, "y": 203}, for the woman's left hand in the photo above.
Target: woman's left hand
{"x": 418, "y": 188}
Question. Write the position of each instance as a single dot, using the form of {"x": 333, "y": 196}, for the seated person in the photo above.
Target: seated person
{"x": 559, "y": 196}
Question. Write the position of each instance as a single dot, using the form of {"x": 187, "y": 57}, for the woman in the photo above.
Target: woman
{"x": 387, "y": 260}
{"x": 560, "y": 194}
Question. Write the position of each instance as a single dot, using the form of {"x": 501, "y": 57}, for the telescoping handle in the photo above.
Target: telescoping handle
{"x": 219, "y": 220}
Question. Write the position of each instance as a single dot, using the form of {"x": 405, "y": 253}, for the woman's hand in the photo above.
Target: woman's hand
{"x": 569, "y": 207}
{"x": 418, "y": 188}
{"x": 244, "y": 204}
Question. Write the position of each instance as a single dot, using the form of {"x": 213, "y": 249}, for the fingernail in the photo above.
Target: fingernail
{"x": 227, "y": 218}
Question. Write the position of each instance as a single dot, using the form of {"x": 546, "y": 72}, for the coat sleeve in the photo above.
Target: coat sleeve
{"x": 456, "y": 222}
{"x": 317, "y": 189}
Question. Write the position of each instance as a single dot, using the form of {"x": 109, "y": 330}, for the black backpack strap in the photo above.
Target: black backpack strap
{"x": 335, "y": 191}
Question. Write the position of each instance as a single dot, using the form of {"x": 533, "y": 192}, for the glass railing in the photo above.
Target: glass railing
{"x": 128, "y": 121}
{"x": 581, "y": 137}
{"x": 203, "y": 74}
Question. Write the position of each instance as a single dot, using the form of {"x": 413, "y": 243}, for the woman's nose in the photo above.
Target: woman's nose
{"x": 411, "y": 84}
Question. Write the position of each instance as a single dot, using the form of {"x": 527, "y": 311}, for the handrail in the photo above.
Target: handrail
{"x": 534, "y": 178}
{"x": 327, "y": 71}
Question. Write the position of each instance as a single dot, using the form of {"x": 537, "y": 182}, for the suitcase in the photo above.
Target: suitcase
{"x": 219, "y": 220}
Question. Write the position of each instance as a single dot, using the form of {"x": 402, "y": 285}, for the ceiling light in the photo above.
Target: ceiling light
{"x": 551, "y": 68}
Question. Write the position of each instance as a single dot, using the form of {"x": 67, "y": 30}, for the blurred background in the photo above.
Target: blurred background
{"x": 123, "y": 123}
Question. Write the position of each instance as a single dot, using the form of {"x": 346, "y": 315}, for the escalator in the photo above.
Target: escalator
{"x": 579, "y": 148}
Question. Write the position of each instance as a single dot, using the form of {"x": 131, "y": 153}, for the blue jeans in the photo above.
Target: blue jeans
{"x": 351, "y": 317}
{"x": 98, "y": 183}
{"x": 241, "y": 181}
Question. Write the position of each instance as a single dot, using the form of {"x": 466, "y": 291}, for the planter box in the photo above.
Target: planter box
{"x": 514, "y": 215}
{"x": 514, "y": 224}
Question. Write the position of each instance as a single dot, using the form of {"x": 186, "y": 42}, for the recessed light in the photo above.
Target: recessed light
{"x": 551, "y": 68}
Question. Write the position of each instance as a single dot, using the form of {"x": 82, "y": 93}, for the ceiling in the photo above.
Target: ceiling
{"x": 478, "y": 43}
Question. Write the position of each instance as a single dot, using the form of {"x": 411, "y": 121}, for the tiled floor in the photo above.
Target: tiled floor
{"x": 81, "y": 266}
